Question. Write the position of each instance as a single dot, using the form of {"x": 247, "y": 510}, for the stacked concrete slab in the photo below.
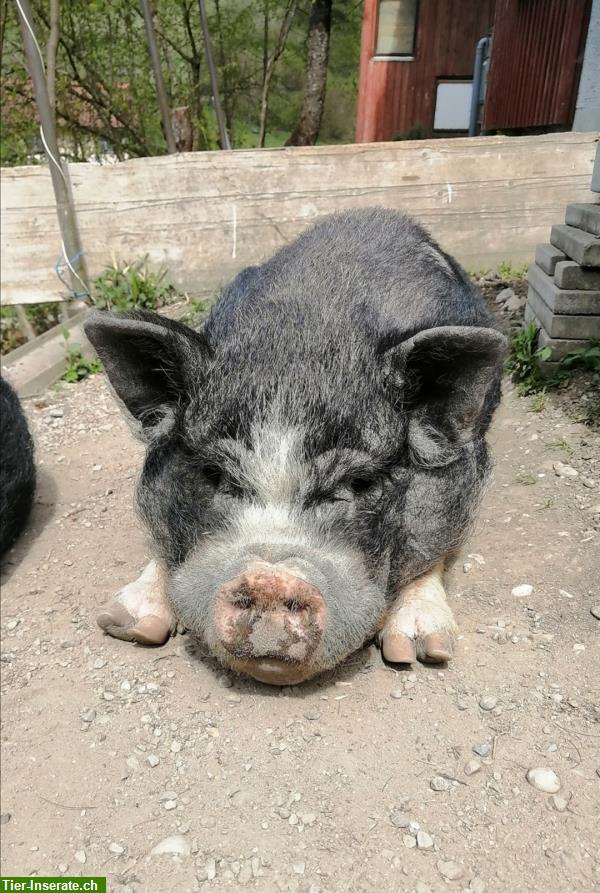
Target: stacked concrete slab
{"x": 564, "y": 283}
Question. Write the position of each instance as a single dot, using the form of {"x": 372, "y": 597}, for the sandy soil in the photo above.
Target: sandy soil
{"x": 109, "y": 748}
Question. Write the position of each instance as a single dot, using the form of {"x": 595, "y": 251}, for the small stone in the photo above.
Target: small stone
{"x": 544, "y": 779}
{"x": 153, "y": 760}
{"x": 233, "y": 698}
{"x": 439, "y": 783}
{"x": 211, "y": 870}
{"x": 116, "y": 848}
{"x": 471, "y": 767}
{"x": 524, "y": 590}
{"x": 589, "y": 483}
{"x": 12, "y": 624}
{"x": 505, "y": 295}
{"x": 175, "y": 746}
{"x": 55, "y": 412}
{"x": 245, "y": 875}
{"x": 476, "y": 885}
{"x": 559, "y": 803}
{"x": 176, "y": 845}
{"x": 424, "y": 840}
{"x": 108, "y": 696}
{"x": 170, "y": 804}
{"x": 5, "y": 818}
{"x": 80, "y": 857}
{"x": 483, "y": 750}
{"x": 409, "y": 841}
{"x": 88, "y": 715}
{"x": 564, "y": 471}
{"x": 312, "y": 714}
{"x": 467, "y": 566}
{"x": 299, "y": 867}
{"x": 595, "y": 611}
{"x": 488, "y": 702}
{"x": 168, "y": 795}
{"x": 420, "y": 887}
{"x": 452, "y": 871}
{"x": 399, "y": 819}
{"x": 396, "y": 694}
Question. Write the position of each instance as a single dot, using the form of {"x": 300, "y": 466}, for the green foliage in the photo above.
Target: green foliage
{"x": 41, "y": 316}
{"x": 523, "y": 362}
{"x": 509, "y": 273}
{"x": 78, "y": 366}
{"x": 523, "y": 367}
{"x": 195, "y": 311}
{"x": 132, "y": 286}
{"x": 106, "y": 96}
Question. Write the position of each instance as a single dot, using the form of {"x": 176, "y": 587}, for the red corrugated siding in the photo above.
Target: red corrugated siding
{"x": 395, "y": 96}
{"x": 536, "y": 59}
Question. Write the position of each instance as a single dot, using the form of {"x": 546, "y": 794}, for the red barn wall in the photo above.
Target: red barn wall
{"x": 395, "y": 96}
{"x": 536, "y": 59}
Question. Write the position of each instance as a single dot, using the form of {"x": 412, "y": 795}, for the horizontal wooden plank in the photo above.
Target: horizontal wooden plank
{"x": 206, "y": 215}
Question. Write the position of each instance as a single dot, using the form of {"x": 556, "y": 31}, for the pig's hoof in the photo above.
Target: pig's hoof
{"x": 140, "y": 612}
{"x": 415, "y": 632}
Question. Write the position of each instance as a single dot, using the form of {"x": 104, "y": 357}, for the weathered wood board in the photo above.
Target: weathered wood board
{"x": 206, "y": 215}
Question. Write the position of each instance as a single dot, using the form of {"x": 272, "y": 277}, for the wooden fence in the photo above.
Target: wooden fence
{"x": 206, "y": 215}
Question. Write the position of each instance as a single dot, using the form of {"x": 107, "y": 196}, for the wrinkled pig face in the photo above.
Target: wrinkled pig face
{"x": 274, "y": 504}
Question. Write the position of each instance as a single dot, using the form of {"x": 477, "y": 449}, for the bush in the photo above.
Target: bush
{"x": 132, "y": 287}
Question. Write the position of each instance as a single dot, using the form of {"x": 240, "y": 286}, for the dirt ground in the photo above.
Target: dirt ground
{"x": 370, "y": 778}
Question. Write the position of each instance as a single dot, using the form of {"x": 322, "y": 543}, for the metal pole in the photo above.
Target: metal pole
{"x": 59, "y": 171}
{"x": 163, "y": 102}
{"x": 223, "y": 135}
{"x": 476, "y": 90}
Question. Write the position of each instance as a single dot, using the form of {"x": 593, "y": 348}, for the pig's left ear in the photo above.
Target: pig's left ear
{"x": 151, "y": 362}
{"x": 447, "y": 381}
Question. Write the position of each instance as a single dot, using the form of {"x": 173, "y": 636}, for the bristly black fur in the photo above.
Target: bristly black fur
{"x": 17, "y": 469}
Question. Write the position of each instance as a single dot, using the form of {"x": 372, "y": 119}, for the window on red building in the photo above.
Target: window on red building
{"x": 396, "y": 27}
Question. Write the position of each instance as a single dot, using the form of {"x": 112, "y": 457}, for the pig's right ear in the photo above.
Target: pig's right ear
{"x": 150, "y": 362}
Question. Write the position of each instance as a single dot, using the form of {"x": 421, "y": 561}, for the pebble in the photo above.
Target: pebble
{"x": 88, "y": 715}
{"x": 452, "y": 871}
{"x": 476, "y": 885}
{"x": 544, "y": 779}
{"x": 153, "y": 760}
{"x": 595, "y": 611}
{"x": 99, "y": 663}
{"x": 116, "y": 848}
{"x": 396, "y": 694}
{"x": 108, "y": 696}
{"x": 175, "y": 746}
{"x": 176, "y": 845}
{"x": 80, "y": 857}
{"x": 233, "y": 698}
{"x": 488, "y": 702}
{"x": 471, "y": 767}
{"x": 170, "y": 804}
{"x": 420, "y": 887}
{"x": 483, "y": 750}
{"x": 409, "y": 841}
{"x": 439, "y": 783}
{"x": 312, "y": 714}
{"x": 564, "y": 471}
{"x": 5, "y": 818}
{"x": 522, "y": 591}
{"x": 505, "y": 295}
{"x": 559, "y": 803}
{"x": 400, "y": 819}
{"x": 424, "y": 840}
{"x": 299, "y": 867}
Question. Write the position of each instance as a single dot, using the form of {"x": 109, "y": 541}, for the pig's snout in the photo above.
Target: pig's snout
{"x": 271, "y": 622}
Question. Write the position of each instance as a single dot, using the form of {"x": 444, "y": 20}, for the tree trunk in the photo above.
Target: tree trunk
{"x": 306, "y": 131}
{"x": 51, "y": 49}
{"x": 269, "y": 67}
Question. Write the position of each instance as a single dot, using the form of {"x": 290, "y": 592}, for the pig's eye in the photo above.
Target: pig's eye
{"x": 213, "y": 474}
{"x": 362, "y": 485}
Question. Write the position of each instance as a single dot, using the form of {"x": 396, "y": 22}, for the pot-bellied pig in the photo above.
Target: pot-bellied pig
{"x": 314, "y": 454}
{"x": 17, "y": 469}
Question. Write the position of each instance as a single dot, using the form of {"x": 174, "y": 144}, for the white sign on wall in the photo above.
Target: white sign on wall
{"x": 453, "y": 105}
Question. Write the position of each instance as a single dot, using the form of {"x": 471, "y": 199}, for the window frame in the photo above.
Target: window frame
{"x": 396, "y": 57}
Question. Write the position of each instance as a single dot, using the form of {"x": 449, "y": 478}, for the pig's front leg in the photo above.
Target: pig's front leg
{"x": 141, "y": 612}
{"x": 420, "y": 623}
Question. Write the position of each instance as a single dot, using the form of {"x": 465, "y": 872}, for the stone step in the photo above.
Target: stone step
{"x": 547, "y": 257}
{"x": 585, "y": 217}
{"x": 568, "y": 274}
{"x": 560, "y": 300}
{"x": 580, "y": 246}
{"x": 560, "y": 346}
{"x": 563, "y": 325}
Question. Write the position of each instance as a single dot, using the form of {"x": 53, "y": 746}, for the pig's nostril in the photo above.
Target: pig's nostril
{"x": 243, "y": 602}
{"x": 294, "y": 606}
